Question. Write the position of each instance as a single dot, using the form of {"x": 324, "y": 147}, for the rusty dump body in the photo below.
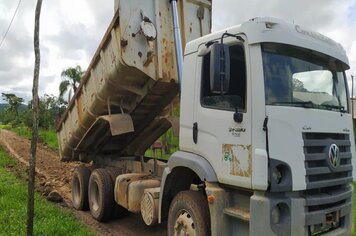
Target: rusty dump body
{"x": 132, "y": 77}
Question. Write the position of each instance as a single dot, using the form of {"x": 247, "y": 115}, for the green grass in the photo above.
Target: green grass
{"x": 354, "y": 233}
{"x": 50, "y": 219}
{"x": 22, "y": 131}
{"x": 49, "y": 137}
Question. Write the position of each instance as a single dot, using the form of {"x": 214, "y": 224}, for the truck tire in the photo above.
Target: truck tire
{"x": 189, "y": 214}
{"x": 118, "y": 211}
{"x": 80, "y": 182}
{"x": 101, "y": 195}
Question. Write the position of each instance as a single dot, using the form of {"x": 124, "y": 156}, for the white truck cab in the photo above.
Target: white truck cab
{"x": 279, "y": 134}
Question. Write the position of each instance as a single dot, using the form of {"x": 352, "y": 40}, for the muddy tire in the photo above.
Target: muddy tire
{"x": 80, "y": 182}
{"x": 189, "y": 214}
{"x": 101, "y": 195}
{"x": 118, "y": 211}
{"x": 114, "y": 172}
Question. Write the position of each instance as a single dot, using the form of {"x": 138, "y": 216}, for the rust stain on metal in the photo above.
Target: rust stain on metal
{"x": 239, "y": 165}
{"x": 123, "y": 42}
{"x": 113, "y": 58}
{"x": 80, "y": 108}
{"x": 149, "y": 58}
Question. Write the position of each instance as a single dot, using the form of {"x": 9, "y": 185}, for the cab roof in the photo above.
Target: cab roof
{"x": 273, "y": 30}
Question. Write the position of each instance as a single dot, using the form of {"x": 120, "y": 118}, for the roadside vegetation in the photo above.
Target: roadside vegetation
{"x": 164, "y": 146}
{"x": 17, "y": 117}
{"x": 48, "y": 137}
{"x": 50, "y": 219}
{"x": 354, "y": 233}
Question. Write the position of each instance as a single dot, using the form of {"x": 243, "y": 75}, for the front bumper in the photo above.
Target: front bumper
{"x": 277, "y": 214}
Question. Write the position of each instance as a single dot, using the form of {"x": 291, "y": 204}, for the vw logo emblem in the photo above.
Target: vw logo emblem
{"x": 334, "y": 156}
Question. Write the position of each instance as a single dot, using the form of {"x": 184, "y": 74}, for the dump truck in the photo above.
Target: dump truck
{"x": 266, "y": 143}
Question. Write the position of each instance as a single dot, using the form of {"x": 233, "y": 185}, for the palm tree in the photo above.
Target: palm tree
{"x": 70, "y": 80}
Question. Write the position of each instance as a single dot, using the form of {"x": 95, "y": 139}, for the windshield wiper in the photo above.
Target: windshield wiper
{"x": 330, "y": 107}
{"x": 307, "y": 104}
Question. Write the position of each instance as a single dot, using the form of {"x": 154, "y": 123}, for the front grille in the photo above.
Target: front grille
{"x": 333, "y": 202}
{"x": 328, "y": 196}
{"x": 318, "y": 172}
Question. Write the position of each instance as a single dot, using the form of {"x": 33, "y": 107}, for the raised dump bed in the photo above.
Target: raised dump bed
{"x": 118, "y": 107}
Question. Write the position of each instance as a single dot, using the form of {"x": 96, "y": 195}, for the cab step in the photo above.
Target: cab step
{"x": 237, "y": 212}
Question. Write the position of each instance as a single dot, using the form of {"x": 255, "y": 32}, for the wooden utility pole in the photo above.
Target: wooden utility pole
{"x": 35, "y": 121}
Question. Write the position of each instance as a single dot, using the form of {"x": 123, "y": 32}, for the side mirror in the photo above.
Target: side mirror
{"x": 219, "y": 68}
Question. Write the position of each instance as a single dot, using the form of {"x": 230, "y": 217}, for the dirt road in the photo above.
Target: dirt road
{"x": 56, "y": 175}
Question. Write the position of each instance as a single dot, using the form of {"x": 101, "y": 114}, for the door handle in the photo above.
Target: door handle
{"x": 195, "y": 132}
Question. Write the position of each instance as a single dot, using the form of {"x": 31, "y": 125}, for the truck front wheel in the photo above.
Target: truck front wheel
{"x": 189, "y": 214}
{"x": 101, "y": 195}
{"x": 80, "y": 183}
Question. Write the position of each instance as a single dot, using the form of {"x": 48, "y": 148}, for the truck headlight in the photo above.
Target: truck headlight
{"x": 280, "y": 175}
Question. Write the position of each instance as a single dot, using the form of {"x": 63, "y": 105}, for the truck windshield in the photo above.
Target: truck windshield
{"x": 303, "y": 78}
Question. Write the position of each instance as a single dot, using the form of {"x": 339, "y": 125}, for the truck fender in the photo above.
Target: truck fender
{"x": 195, "y": 163}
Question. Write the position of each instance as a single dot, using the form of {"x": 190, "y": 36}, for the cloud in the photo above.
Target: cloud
{"x": 69, "y": 35}
{"x": 335, "y": 19}
{"x": 72, "y": 30}
{"x": 315, "y": 14}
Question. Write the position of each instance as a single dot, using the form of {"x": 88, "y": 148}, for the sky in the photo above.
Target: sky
{"x": 71, "y": 30}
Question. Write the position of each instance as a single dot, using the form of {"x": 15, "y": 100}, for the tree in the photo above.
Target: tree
{"x": 70, "y": 80}
{"x": 35, "y": 99}
{"x": 51, "y": 108}
{"x": 298, "y": 85}
{"x": 13, "y": 101}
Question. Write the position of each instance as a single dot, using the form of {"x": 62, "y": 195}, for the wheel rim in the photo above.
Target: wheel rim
{"x": 94, "y": 196}
{"x": 184, "y": 225}
{"x": 76, "y": 191}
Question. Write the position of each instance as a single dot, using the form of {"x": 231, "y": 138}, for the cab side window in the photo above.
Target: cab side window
{"x": 235, "y": 98}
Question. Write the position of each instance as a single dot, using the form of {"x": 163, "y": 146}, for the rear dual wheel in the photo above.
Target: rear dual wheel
{"x": 101, "y": 195}
{"x": 80, "y": 183}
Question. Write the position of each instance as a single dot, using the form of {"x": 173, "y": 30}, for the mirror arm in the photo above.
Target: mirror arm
{"x": 222, "y": 58}
{"x": 222, "y": 71}
{"x": 226, "y": 34}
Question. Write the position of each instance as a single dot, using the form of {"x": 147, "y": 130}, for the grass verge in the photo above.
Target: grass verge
{"x": 49, "y": 137}
{"x": 50, "y": 219}
{"x": 354, "y": 233}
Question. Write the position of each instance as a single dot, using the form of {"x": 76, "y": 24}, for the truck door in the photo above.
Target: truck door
{"x": 224, "y": 142}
